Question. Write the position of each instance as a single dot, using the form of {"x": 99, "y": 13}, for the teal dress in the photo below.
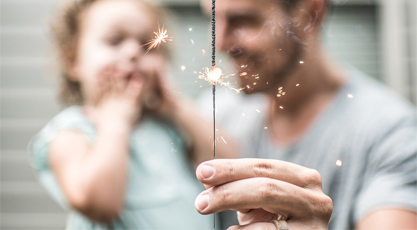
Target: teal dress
{"x": 161, "y": 187}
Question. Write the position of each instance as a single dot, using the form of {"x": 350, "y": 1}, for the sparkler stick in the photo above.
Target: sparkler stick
{"x": 213, "y": 64}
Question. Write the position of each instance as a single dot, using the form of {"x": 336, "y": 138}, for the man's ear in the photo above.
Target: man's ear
{"x": 311, "y": 14}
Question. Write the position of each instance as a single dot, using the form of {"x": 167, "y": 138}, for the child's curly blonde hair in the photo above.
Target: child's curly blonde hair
{"x": 66, "y": 30}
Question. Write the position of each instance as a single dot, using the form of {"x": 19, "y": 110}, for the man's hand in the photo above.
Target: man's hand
{"x": 261, "y": 190}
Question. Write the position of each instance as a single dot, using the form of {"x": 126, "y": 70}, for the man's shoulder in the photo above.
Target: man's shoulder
{"x": 369, "y": 105}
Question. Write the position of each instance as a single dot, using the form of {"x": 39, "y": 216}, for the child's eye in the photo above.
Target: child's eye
{"x": 114, "y": 40}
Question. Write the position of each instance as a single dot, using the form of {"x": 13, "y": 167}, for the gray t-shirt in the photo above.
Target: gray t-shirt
{"x": 366, "y": 128}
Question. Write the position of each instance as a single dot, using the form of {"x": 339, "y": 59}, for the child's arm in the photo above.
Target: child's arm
{"x": 186, "y": 117}
{"x": 93, "y": 176}
{"x": 200, "y": 130}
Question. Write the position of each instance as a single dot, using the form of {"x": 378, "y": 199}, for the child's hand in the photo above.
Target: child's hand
{"x": 160, "y": 98}
{"x": 118, "y": 100}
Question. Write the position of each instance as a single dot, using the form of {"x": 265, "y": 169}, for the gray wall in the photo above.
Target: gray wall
{"x": 28, "y": 98}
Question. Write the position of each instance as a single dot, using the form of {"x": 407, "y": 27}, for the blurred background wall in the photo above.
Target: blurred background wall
{"x": 376, "y": 36}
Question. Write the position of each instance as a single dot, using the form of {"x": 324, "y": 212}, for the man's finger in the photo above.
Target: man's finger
{"x": 217, "y": 172}
{"x": 255, "y": 226}
{"x": 273, "y": 196}
{"x": 254, "y": 216}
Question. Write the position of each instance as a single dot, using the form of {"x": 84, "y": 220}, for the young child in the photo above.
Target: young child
{"x": 103, "y": 158}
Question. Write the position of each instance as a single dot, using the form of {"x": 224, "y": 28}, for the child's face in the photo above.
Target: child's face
{"x": 112, "y": 35}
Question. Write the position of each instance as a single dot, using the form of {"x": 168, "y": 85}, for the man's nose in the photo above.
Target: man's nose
{"x": 222, "y": 39}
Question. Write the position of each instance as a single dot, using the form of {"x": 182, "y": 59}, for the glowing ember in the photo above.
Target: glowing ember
{"x": 243, "y": 74}
{"x": 339, "y": 163}
{"x": 160, "y": 36}
{"x": 223, "y": 140}
{"x": 281, "y": 107}
{"x": 215, "y": 77}
{"x": 350, "y": 96}
{"x": 278, "y": 95}
{"x": 301, "y": 62}
{"x": 297, "y": 85}
{"x": 183, "y": 68}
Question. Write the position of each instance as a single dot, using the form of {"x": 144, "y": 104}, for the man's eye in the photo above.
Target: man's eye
{"x": 243, "y": 21}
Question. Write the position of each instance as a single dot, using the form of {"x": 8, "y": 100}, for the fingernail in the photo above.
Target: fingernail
{"x": 206, "y": 171}
{"x": 202, "y": 202}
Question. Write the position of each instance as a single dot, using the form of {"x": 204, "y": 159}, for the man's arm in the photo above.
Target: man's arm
{"x": 389, "y": 218}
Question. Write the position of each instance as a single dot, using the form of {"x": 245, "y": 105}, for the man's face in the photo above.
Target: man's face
{"x": 261, "y": 39}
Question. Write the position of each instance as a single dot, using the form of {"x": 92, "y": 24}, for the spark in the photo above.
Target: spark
{"x": 192, "y": 41}
{"x": 266, "y": 128}
{"x": 350, "y": 95}
{"x": 243, "y": 74}
{"x": 223, "y": 140}
{"x": 257, "y": 110}
{"x": 301, "y": 62}
{"x": 215, "y": 76}
{"x": 183, "y": 68}
{"x": 191, "y": 29}
{"x": 297, "y": 85}
{"x": 203, "y": 51}
{"x": 279, "y": 95}
{"x": 160, "y": 36}
{"x": 281, "y": 107}
{"x": 339, "y": 163}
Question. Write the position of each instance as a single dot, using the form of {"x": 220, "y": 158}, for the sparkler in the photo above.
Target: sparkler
{"x": 160, "y": 36}
{"x": 215, "y": 76}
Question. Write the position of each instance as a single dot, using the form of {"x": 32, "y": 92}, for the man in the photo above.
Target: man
{"x": 361, "y": 139}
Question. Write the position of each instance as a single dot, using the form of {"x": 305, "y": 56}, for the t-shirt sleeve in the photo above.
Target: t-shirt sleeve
{"x": 391, "y": 176}
{"x": 38, "y": 149}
